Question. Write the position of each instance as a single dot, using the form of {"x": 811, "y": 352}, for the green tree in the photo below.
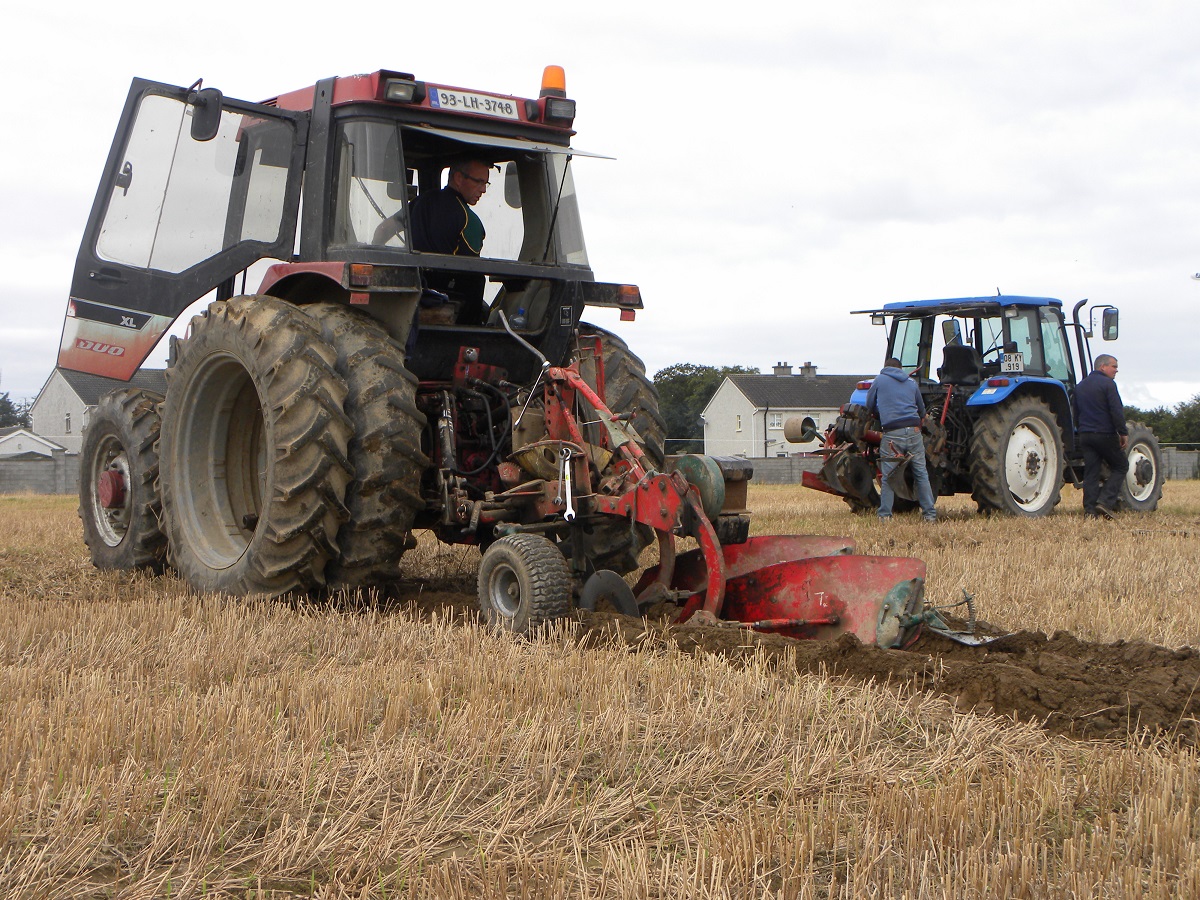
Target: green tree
{"x": 1187, "y": 422}
{"x": 684, "y": 389}
{"x": 1180, "y": 425}
{"x": 13, "y": 413}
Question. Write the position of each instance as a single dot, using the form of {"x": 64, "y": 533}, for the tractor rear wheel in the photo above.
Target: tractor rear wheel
{"x": 524, "y": 582}
{"x": 627, "y": 390}
{"x": 118, "y": 498}
{"x": 385, "y": 449}
{"x": 1144, "y": 480}
{"x": 612, "y": 543}
{"x": 254, "y": 464}
{"x": 1017, "y": 458}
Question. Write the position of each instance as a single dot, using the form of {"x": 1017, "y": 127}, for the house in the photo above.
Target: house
{"x": 30, "y": 462}
{"x": 745, "y": 417}
{"x": 60, "y": 412}
{"x": 16, "y": 441}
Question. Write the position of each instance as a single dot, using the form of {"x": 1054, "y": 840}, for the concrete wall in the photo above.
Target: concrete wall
{"x": 1178, "y": 465}
{"x": 784, "y": 469}
{"x": 1181, "y": 464}
{"x": 56, "y": 474}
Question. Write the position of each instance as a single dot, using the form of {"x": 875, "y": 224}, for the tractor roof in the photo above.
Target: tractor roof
{"x": 551, "y": 113}
{"x": 961, "y": 304}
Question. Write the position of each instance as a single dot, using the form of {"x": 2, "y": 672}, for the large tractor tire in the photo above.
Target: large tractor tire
{"x": 118, "y": 498}
{"x": 1017, "y": 459}
{"x": 524, "y": 582}
{"x": 628, "y": 390}
{"x": 385, "y": 449}
{"x": 253, "y": 455}
{"x": 1144, "y": 480}
{"x": 612, "y": 543}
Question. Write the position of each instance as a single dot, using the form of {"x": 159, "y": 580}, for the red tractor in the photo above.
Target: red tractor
{"x": 368, "y": 386}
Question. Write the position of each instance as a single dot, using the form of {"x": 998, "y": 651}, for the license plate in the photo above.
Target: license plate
{"x": 1013, "y": 362}
{"x": 480, "y": 104}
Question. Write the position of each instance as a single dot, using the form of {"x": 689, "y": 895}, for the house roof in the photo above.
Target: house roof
{"x": 797, "y": 391}
{"x": 14, "y": 432}
{"x": 90, "y": 388}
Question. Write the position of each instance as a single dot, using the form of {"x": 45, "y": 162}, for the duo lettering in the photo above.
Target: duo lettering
{"x": 97, "y": 347}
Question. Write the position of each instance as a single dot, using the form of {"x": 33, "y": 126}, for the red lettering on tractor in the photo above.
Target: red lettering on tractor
{"x": 96, "y": 347}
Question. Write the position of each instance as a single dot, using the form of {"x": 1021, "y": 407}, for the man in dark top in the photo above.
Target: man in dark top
{"x": 1102, "y": 437}
{"x": 443, "y": 222}
{"x": 897, "y": 400}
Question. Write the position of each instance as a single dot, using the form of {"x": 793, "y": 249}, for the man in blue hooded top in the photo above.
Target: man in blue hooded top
{"x": 896, "y": 400}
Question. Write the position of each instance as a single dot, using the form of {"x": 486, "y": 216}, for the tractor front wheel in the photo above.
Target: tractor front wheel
{"x": 118, "y": 498}
{"x": 524, "y": 582}
{"x": 1144, "y": 480}
{"x": 1017, "y": 458}
{"x": 254, "y": 465}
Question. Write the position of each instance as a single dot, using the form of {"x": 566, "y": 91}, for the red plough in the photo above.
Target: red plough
{"x": 800, "y": 586}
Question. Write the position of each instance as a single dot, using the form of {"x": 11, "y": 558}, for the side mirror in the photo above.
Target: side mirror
{"x": 206, "y": 114}
{"x": 512, "y": 187}
{"x": 1108, "y": 324}
{"x": 951, "y": 333}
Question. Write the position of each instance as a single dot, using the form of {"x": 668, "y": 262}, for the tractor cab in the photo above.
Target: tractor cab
{"x": 969, "y": 341}
{"x": 309, "y": 196}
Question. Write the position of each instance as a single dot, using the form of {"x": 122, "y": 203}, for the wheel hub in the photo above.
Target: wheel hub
{"x": 1144, "y": 471}
{"x": 1033, "y": 464}
{"x": 110, "y": 489}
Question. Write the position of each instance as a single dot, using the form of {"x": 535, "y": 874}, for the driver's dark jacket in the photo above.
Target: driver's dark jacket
{"x": 443, "y": 222}
{"x": 1098, "y": 405}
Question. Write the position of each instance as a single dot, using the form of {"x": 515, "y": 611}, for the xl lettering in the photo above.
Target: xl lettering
{"x": 96, "y": 347}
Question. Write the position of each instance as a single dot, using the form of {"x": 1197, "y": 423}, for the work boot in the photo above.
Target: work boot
{"x": 1103, "y": 510}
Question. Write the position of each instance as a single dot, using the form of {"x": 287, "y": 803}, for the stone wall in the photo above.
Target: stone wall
{"x": 1179, "y": 465}
{"x": 784, "y": 469}
{"x": 57, "y": 474}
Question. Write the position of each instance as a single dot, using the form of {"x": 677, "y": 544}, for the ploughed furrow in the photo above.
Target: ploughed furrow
{"x": 1128, "y": 690}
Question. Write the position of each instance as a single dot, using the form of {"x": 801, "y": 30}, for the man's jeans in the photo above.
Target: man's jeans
{"x": 892, "y": 450}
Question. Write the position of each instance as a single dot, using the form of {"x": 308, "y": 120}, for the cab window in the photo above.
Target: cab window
{"x": 180, "y": 201}
{"x": 1054, "y": 344}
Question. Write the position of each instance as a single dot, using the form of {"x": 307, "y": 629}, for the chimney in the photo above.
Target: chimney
{"x": 808, "y": 369}
{"x": 782, "y": 368}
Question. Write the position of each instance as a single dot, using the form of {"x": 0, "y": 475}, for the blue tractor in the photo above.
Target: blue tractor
{"x": 998, "y": 376}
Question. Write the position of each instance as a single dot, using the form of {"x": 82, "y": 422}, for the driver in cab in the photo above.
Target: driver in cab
{"x": 443, "y": 222}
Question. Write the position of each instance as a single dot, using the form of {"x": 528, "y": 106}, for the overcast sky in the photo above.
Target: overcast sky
{"x": 776, "y": 165}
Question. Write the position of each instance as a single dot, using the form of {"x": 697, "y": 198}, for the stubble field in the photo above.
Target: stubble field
{"x": 158, "y": 743}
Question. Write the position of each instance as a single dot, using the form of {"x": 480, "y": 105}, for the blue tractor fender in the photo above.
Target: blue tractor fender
{"x": 1053, "y": 391}
{"x": 860, "y": 394}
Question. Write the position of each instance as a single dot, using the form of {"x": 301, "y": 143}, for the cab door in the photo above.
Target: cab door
{"x": 189, "y": 197}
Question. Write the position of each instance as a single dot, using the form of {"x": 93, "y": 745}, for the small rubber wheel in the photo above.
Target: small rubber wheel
{"x": 524, "y": 582}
